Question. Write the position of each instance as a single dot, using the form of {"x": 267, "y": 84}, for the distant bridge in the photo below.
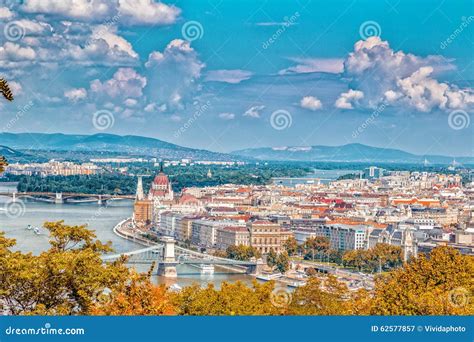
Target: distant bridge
{"x": 62, "y": 197}
{"x": 168, "y": 256}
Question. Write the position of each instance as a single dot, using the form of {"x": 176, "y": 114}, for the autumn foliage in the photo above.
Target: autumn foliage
{"x": 71, "y": 279}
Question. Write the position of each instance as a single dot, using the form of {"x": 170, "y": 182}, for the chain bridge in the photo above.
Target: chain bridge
{"x": 167, "y": 256}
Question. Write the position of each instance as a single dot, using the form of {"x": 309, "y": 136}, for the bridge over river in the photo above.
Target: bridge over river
{"x": 63, "y": 197}
{"x": 167, "y": 256}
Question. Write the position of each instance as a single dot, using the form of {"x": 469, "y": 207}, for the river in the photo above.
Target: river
{"x": 101, "y": 219}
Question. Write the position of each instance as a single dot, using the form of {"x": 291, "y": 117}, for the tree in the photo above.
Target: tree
{"x": 282, "y": 262}
{"x": 137, "y": 296}
{"x": 316, "y": 244}
{"x": 291, "y": 246}
{"x": 67, "y": 279}
{"x": 242, "y": 252}
{"x": 272, "y": 258}
{"x": 321, "y": 296}
{"x": 230, "y": 299}
{"x": 3, "y": 164}
{"x": 437, "y": 284}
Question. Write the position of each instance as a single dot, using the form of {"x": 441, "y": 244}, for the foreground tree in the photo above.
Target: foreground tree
{"x": 67, "y": 279}
{"x": 230, "y": 299}
{"x": 440, "y": 283}
{"x": 138, "y": 296}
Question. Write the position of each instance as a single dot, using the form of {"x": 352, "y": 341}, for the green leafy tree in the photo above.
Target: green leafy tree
{"x": 282, "y": 262}
{"x": 272, "y": 258}
{"x": 291, "y": 246}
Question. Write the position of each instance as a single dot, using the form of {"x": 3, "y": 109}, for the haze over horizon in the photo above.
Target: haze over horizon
{"x": 304, "y": 74}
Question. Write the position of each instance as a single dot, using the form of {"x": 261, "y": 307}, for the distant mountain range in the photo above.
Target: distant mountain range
{"x": 346, "y": 153}
{"x": 88, "y": 146}
{"x": 98, "y": 143}
{"x": 14, "y": 156}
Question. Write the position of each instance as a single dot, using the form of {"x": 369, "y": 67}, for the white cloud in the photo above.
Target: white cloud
{"x": 15, "y": 52}
{"x": 126, "y": 83}
{"x": 311, "y": 103}
{"x": 309, "y": 65}
{"x": 346, "y": 100}
{"x": 424, "y": 93}
{"x": 75, "y": 95}
{"x": 254, "y": 112}
{"x": 148, "y": 12}
{"x": 5, "y": 13}
{"x": 131, "y": 12}
{"x": 402, "y": 79}
{"x": 114, "y": 41}
{"x": 227, "y": 116}
{"x": 228, "y": 76}
{"x": 173, "y": 74}
{"x": 130, "y": 102}
{"x": 32, "y": 27}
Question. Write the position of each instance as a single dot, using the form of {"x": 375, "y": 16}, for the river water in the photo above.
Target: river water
{"x": 101, "y": 219}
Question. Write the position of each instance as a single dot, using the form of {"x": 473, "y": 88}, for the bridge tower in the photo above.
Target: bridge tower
{"x": 167, "y": 267}
{"x": 59, "y": 198}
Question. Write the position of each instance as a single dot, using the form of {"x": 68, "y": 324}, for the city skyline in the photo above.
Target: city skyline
{"x": 206, "y": 75}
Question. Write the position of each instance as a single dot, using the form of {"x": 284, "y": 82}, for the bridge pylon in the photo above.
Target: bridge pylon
{"x": 59, "y": 198}
{"x": 167, "y": 267}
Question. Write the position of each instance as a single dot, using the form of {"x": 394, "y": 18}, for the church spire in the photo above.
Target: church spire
{"x": 139, "y": 195}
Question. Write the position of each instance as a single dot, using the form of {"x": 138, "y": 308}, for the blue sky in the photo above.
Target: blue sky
{"x": 226, "y": 75}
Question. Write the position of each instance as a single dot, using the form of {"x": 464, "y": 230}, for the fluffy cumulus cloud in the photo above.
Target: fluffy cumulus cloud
{"x": 311, "y": 103}
{"x": 254, "y": 111}
{"x": 76, "y": 94}
{"x": 383, "y": 75}
{"x": 125, "y": 83}
{"x": 348, "y": 99}
{"x": 173, "y": 74}
{"x": 228, "y": 76}
{"x": 131, "y": 12}
{"x": 5, "y": 13}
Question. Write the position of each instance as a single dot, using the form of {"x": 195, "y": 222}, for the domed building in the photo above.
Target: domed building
{"x": 160, "y": 189}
